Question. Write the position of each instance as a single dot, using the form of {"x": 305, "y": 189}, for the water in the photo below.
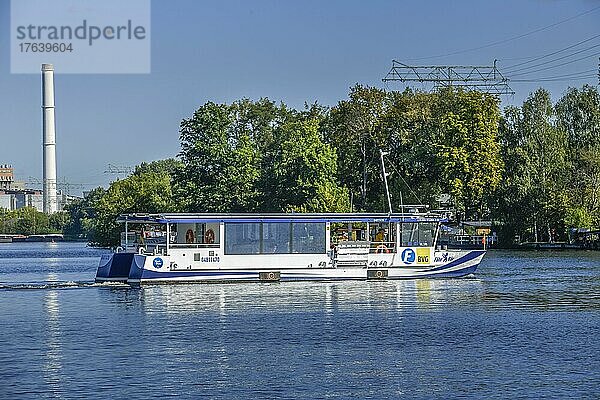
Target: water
{"x": 526, "y": 326}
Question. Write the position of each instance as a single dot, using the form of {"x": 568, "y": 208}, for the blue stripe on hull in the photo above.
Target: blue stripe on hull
{"x": 138, "y": 274}
{"x": 215, "y": 276}
{"x": 440, "y": 274}
{"x": 147, "y": 274}
{"x": 467, "y": 257}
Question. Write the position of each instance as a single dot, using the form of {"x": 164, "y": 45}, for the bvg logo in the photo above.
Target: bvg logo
{"x": 408, "y": 256}
{"x": 157, "y": 262}
{"x": 423, "y": 256}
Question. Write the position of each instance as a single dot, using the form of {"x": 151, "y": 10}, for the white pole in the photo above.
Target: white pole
{"x": 387, "y": 190}
{"x": 49, "y": 139}
{"x": 168, "y": 238}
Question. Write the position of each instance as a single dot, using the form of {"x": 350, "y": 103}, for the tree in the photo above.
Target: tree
{"x": 353, "y": 128}
{"x": 29, "y": 221}
{"x": 438, "y": 142}
{"x": 82, "y": 215}
{"x": 220, "y": 162}
{"x": 578, "y": 114}
{"x": 170, "y": 166}
{"x": 255, "y": 156}
{"x": 466, "y": 147}
{"x": 58, "y": 221}
{"x": 303, "y": 173}
{"x": 410, "y": 128}
{"x": 142, "y": 193}
{"x": 533, "y": 195}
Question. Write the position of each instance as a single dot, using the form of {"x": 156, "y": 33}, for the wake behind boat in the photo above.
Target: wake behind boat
{"x": 170, "y": 248}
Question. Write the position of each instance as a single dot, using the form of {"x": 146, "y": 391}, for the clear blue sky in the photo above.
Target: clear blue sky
{"x": 290, "y": 51}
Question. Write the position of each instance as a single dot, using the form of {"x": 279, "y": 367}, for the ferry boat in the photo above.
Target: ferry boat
{"x": 271, "y": 247}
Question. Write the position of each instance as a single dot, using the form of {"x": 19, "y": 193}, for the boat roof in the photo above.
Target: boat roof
{"x": 165, "y": 218}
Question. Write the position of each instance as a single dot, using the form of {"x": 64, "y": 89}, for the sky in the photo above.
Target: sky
{"x": 289, "y": 51}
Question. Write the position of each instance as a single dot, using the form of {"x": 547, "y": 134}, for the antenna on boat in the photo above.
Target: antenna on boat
{"x": 385, "y": 175}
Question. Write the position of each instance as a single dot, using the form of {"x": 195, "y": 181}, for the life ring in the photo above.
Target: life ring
{"x": 189, "y": 236}
{"x": 382, "y": 249}
{"x": 379, "y": 274}
{"x": 209, "y": 236}
{"x": 271, "y": 275}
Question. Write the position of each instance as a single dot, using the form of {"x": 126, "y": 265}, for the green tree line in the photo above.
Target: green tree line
{"x": 533, "y": 169}
{"x": 29, "y": 221}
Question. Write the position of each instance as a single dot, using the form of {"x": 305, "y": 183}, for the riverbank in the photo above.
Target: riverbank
{"x": 50, "y": 237}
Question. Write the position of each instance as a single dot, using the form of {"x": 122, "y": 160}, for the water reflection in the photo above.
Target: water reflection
{"x": 423, "y": 291}
{"x": 310, "y": 296}
{"x": 52, "y": 365}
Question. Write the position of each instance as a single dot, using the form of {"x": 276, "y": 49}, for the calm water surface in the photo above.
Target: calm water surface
{"x": 527, "y": 325}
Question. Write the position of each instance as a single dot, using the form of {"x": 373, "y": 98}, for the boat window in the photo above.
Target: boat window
{"x": 426, "y": 233}
{"x": 418, "y": 234}
{"x": 410, "y": 234}
{"x": 308, "y": 238}
{"x": 276, "y": 238}
{"x": 242, "y": 238}
{"x": 197, "y": 234}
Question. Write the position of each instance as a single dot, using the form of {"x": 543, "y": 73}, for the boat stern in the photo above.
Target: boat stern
{"x": 114, "y": 267}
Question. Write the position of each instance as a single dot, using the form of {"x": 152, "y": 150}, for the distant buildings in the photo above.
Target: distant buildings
{"x": 6, "y": 177}
{"x": 15, "y": 199}
{"x": 14, "y": 195}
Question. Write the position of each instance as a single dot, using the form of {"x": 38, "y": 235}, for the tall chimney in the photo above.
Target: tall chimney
{"x": 49, "y": 139}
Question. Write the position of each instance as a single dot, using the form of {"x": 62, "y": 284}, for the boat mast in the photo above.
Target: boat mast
{"x": 385, "y": 175}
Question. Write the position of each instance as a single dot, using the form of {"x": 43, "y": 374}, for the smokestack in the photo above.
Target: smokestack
{"x": 49, "y": 139}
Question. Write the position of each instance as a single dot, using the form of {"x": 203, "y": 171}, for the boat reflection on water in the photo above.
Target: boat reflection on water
{"x": 310, "y": 296}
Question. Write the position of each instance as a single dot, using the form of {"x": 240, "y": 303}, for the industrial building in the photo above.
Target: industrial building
{"x": 6, "y": 176}
{"x": 14, "y": 195}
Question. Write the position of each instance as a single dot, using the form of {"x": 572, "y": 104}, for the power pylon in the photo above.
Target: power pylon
{"x": 119, "y": 170}
{"x": 486, "y": 79}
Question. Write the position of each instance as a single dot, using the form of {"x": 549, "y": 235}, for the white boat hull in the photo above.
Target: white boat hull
{"x": 147, "y": 269}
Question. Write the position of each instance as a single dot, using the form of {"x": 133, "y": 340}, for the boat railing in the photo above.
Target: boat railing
{"x": 161, "y": 249}
{"x": 367, "y": 246}
{"x": 194, "y": 245}
{"x": 474, "y": 239}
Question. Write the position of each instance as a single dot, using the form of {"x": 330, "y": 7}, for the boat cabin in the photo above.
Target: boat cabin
{"x": 248, "y": 234}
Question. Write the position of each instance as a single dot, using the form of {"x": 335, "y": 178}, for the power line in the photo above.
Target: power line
{"x": 509, "y": 39}
{"x": 553, "y": 53}
{"x": 584, "y": 77}
{"x": 572, "y": 74}
{"x": 553, "y": 60}
{"x": 557, "y": 65}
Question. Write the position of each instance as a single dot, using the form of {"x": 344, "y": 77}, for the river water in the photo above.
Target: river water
{"x": 527, "y": 325}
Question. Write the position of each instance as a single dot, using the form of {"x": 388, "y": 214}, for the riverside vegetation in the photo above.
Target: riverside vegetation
{"x": 534, "y": 169}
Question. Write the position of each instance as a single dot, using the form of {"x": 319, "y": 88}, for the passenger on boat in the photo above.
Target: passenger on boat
{"x": 380, "y": 238}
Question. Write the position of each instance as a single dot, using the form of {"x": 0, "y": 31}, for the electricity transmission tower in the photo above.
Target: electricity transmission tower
{"x": 486, "y": 79}
{"x": 63, "y": 184}
{"x": 118, "y": 170}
